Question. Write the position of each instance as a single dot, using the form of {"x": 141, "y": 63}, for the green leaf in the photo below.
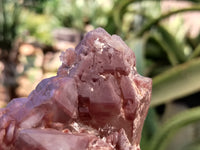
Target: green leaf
{"x": 196, "y": 52}
{"x": 166, "y": 48}
{"x": 164, "y": 16}
{"x": 119, "y": 11}
{"x": 176, "y": 82}
{"x": 195, "y": 145}
{"x": 150, "y": 126}
{"x": 163, "y": 135}
{"x": 168, "y": 44}
{"x": 138, "y": 45}
{"x": 171, "y": 44}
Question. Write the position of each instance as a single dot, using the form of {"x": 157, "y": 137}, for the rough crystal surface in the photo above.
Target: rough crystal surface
{"x": 96, "y": 101}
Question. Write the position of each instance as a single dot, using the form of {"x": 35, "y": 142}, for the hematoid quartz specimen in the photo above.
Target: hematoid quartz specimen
{"x": 96, "y": 101}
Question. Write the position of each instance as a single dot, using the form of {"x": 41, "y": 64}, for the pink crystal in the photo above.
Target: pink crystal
{"x": 97, "y": 100}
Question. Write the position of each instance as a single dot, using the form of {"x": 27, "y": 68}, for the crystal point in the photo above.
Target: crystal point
{"x": 96, "y": 101}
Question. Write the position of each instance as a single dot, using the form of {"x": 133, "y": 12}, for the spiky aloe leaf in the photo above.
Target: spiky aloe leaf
{"x": 176, "y": 82}
{"x": 163, "y": 135}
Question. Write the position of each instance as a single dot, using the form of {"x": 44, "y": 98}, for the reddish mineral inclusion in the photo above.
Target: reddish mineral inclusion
{"x": 96, "y": 101}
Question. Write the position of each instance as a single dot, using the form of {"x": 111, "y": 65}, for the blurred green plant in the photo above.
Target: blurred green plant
{"x": 49, "y": 15}
{"x": 39, "y": 29}
{"x": 166, "y": 53}
{"x": 78, "y": 14}
{"x": 9, "y": 21}
{"x": 162, "y": 136}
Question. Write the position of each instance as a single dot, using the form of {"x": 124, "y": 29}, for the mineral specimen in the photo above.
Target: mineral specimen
{"x": 96, "y": 101}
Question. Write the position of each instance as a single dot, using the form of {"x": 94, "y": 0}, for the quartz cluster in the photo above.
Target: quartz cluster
{"x": 96, "y": 101}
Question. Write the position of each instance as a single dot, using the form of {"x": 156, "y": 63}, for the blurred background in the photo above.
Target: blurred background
{"x": 165, "y": 36}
